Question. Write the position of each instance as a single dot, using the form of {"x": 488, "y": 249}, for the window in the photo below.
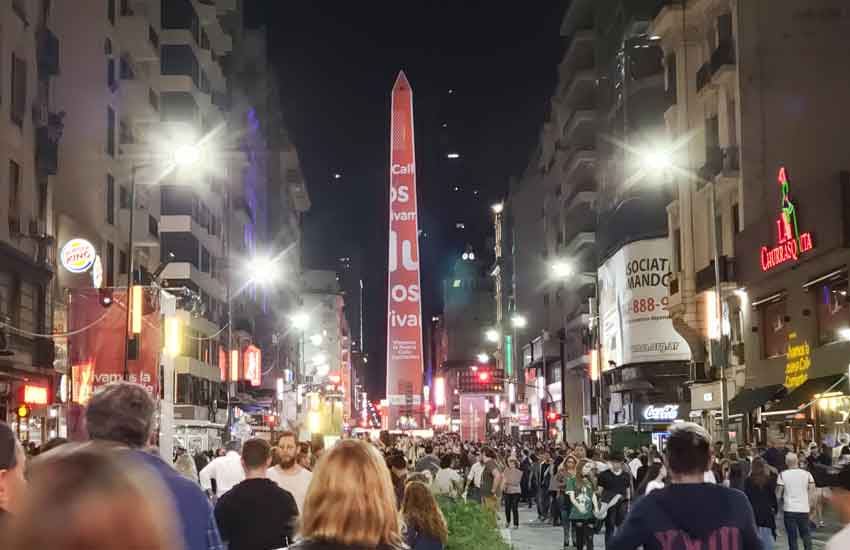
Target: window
{"x": 42, "y": 201}
{"x": 110, "y": 10}
{"x": 14, "y": 197}
{"x": 110, "y": 131}
{"x": 736, "y": 219}
{"x": 110, "y": 199}
{"x": 205, "y": 260}
{"x": 833, "y": 309}
{"x": 677, "y": 249}
{"x": 122, "y": 262}
{"x": 110, "y": 264}
{"x": 19, "y": 90}
{"x": 126, "y": 69}
{"x": 774, "y": 328}
{"x": 27, "y": 306}
{"x": 671, "y": 82}
{"x": 125, "y": 198}
{"x": 184, "y": 246}
{"x": 153, "y": 226}
{"x": 110, "y": 74}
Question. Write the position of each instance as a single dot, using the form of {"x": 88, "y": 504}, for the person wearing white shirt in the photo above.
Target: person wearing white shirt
{"x": 795, "y": 486}
{"x": 709, "y": 477}
{"x": 447, "y": 482}
{"x": 474, "y": 476}
{"x": 289, "y": 475}
{"x": 634, "y": 466}
{"x": 226, "y": 470}
{"x": 840, "y": 501}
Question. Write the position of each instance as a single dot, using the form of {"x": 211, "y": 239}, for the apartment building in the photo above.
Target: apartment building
{"x": 31, "y": 131}
{"x": 700, "y": 44}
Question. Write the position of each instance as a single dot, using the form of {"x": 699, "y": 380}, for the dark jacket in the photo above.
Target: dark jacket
{"x": 675, "y": 517}
{"x": 197, "y": 522}
{"x": 256, "y": 514}
{"x": 763, "y": 501}
{"x": 420, "y": 541}
{"x": 333, "y": 545}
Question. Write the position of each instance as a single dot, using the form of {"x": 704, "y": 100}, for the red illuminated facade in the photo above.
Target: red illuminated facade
{"x": 790, "y": 243}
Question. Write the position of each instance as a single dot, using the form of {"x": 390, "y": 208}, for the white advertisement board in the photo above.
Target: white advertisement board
{"x": 633, "y": 294}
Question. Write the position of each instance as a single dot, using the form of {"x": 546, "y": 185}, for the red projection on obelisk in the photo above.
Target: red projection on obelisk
{"x": 404, "y": 309}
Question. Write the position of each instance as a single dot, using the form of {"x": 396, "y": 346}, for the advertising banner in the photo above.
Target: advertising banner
{"x": 473, "y": 417}
{"x": 633, "y": 294}
{"x": 404, "y": 309}
{"x": 97, "y": 322}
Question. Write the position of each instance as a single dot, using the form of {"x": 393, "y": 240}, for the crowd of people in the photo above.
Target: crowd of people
{"x": 114, "y": 491}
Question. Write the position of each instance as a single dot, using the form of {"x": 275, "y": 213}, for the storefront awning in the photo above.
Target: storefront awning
{"x": 804, "y": 394}
{"x": 751, "y": 398}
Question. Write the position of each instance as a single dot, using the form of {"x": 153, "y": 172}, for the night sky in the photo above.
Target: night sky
{"x": 484, "y": 69}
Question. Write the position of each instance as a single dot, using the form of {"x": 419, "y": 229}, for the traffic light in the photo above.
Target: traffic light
{"x": 484, "y": 376}
{"x": 553, "y": 416}
{"x": 23, "y": 410}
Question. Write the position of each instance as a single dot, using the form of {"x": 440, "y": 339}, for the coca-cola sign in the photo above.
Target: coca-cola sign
{"x": 661, "y": 413}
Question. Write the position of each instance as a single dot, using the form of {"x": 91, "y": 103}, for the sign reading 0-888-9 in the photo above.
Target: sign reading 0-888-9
{"x": 633, "y": 294}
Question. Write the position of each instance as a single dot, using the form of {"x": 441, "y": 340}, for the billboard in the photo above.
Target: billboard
{"x": 473, "y": 417}
{"x": 404, "y": 309}
{"x": 633, "y": 294}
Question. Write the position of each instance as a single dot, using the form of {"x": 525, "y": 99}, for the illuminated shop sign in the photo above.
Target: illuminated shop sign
{"x": 661, "y": 413}
{"x": 790, "y": 243}
{"x": 77, "y": 256}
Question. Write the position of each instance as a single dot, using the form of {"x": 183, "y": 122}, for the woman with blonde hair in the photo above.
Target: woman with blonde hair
{"x": 581, "y": 491}
{"x": 425, "y": 526}
{"x": 90, "y": 497}
{"x": 350, "y": 503}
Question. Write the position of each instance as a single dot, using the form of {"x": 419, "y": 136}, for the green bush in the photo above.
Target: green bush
{"x": 471, "y": 527}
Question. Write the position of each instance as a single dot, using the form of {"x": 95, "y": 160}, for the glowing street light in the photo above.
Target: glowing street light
{"x": 562, "y": 269}
{"x": 262, "y": 270}
{"x": 492, "y": 335}
{"x": 498, "y": 208}
{"x": 300, "y": 320}
{"x": 519, "y": 321}
{"x": 657, "y": 160}
{"x": 187, "y": 155}
{"x": 483, "y": 358}
{"x": 453, "y": 155}
{"x": 316, "y": 339}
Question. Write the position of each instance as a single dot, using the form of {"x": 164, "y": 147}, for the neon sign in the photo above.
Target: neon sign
{"x": 790, "y": 243}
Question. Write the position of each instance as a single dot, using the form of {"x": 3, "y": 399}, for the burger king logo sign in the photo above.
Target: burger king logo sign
{"x": 77, "y": 255}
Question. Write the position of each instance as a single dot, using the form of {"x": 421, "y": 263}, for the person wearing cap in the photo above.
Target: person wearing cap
{"x": 12, "y": 482}
{"x": 840, "y": 499}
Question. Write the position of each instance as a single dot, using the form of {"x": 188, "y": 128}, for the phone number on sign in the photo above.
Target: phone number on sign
{"x": 647, "y": 305}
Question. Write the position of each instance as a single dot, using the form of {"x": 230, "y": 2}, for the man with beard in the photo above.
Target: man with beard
{"x": 289, "y": 475}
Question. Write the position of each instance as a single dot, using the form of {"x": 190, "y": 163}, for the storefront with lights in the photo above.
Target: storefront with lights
{"x": 793, "y": 269}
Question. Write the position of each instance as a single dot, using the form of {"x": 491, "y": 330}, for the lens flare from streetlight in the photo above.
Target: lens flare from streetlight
{"x": 492, "y": 335}
{"x": 187, "y": 155}
{"x": 562, "y": 269}
{"x": 316, "y": 339}
{"x": 300, "y": 320}
{"x": 262, "y": 270}
{"x": 657, "y": 160}
{"x": 483, "y": 358}
{"x": 519, "y": 321}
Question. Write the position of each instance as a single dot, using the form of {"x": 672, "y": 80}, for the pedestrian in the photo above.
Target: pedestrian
{"x": 616, "y": 492}
{"x": 225, "y": 470}
{"x": 350, "y": 504}
{"x": 89, "y": 496}
{"x": 305, "y": 458}
{"x": 634, "y": 465}
{"x": 512, "y": 483}
{"x": 533, "y": 479}
{"x": 525, "y": 467}
{"x": 840, "y": 500}
{"x": 760, "y": 488}
{"x": 256, "y": 514}
{"x": 122, "y": 414}
{"x": 567, "y": 472}
{"x": 12, "y": 482}
{"x": 796, "y": 487}
{"x": 491, "y": 478}
{"x": 186, "y": 465}
{"x": 398, "y": 475}
{"x": 653, "y": 480}
{"x": 556, "y": 488}
{"x": 447, "y": 483}
{"x": 429, "y": 461}
{"x": 543, "y": 481}
{"x": 581, "y": 491}
{"x": 473, "y": 491}
{"x": 425, "y": 526}
{"x": 288, "y": 474}
{"x": 689, "y": 513}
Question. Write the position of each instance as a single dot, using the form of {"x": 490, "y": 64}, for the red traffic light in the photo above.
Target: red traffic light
{"x": 552, "y": 416}
{"x": 484, "y": 376}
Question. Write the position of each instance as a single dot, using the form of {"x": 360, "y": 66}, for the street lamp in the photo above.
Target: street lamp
{"x": 483, "y": 357}
{"x": 300, "y": 320}
{"x": 519, "y": 321}
{"x": 498, "y": 208}
{"x": 562, "y": 269}
{"x": 262, "y": 270}
{"x": 492, "y": 335}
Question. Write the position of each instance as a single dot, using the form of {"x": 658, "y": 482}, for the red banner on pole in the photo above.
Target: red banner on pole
{"x": 252, "y": 359}
{"x": 404, "y": 308}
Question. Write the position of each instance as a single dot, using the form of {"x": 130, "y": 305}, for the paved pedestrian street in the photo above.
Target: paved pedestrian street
{"x": 533, "y": 535}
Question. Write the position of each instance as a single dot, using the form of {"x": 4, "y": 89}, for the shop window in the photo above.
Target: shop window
{"x": 774, "y": 328}
{"x": 833, "y": 309}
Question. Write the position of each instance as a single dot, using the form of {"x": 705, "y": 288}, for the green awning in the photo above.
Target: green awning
{"x": 752, "y": 398}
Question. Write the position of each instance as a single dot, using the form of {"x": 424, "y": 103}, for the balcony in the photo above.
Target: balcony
{"x": 139, "y": 37}
{"x": 46, "y": 152}
{"x": 136, "y": 101}
{"x": 721, "y": 63}
{"x": 145, "y": 234}
{"x": 48, "y": 52}
{"x": 731, "y": 161}
{"x": 706, "y": 280}
{"x": 713, "y": 165}
{"x": 722, "y": 56}
{"x": 580, "y": 158}
{"x": 579, "y": 241}
{"x": 703, "y": 76}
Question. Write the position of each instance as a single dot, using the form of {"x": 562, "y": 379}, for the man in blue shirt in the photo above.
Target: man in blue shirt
{"x": 122, "y": 414}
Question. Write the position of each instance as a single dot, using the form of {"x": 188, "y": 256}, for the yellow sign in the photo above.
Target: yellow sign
{"x": 798, "y": 361}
